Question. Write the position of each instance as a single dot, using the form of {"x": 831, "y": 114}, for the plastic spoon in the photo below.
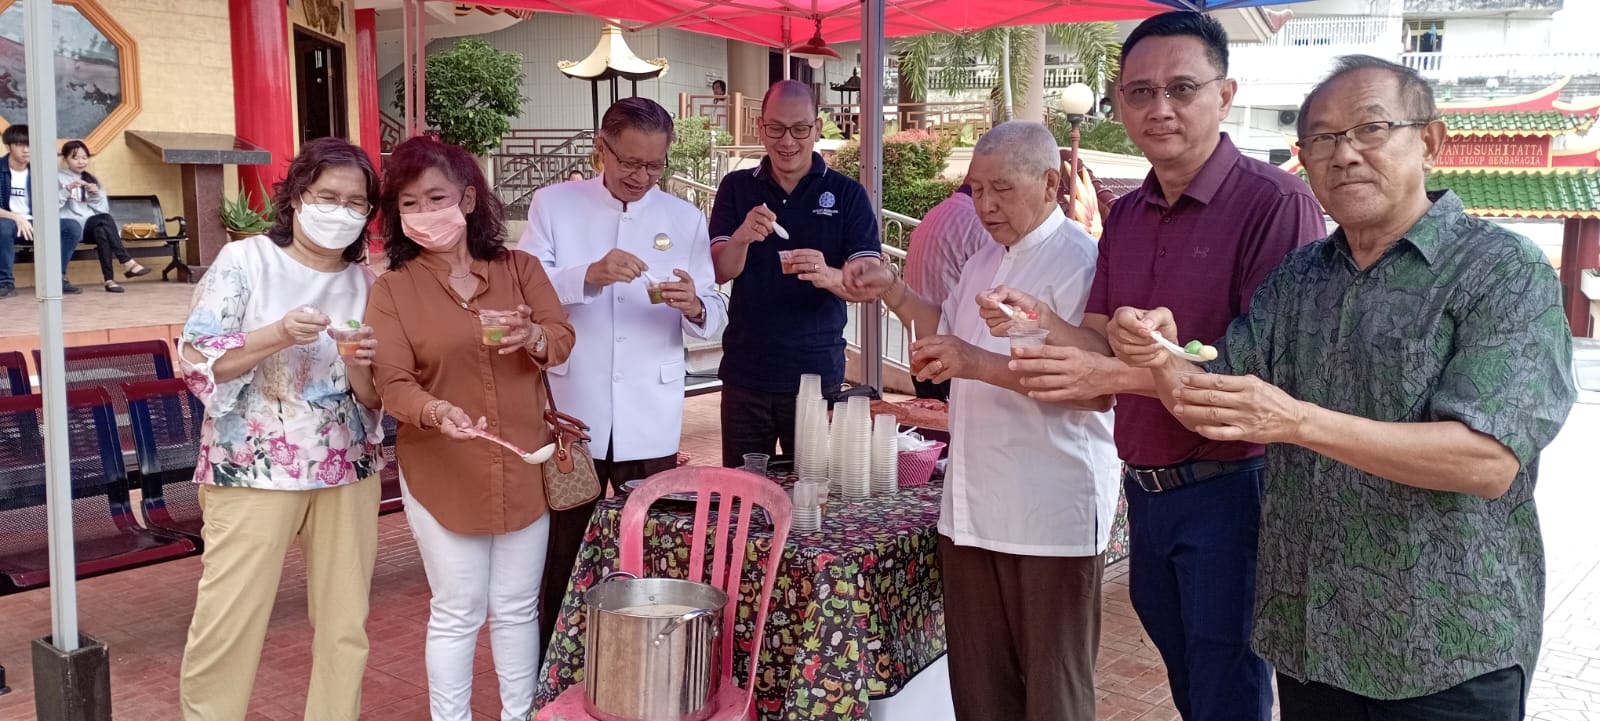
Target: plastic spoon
{"x": 534, "y": 458}
{"x": 784, "y": 234}
{"x": 1207, "y": 353}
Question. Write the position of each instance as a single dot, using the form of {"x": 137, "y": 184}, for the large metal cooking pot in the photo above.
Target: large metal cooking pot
{"x": 652, "y": 649}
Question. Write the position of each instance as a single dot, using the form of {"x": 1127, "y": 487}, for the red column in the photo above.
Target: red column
{"x": 367, "y": 83}
{"x": 1580, "y": 250}
{"x": 263, "y": 96}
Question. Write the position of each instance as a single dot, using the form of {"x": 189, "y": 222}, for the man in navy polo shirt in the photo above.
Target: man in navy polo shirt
{"x": 782, "y": 326}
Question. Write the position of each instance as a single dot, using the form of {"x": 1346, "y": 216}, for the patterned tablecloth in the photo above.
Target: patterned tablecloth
{"x": 858, "y": 608}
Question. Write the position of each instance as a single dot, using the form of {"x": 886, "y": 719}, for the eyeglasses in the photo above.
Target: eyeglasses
{"x": 1181, "y": 92}
{"x": 1363, "y": 137}
{"x": 629, "y": 167}
{"x": 329, "y": 203}
{"x": 774, "y": 131}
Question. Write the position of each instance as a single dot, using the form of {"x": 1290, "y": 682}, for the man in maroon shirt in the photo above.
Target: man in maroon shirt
{"x": 1198, "y": 237}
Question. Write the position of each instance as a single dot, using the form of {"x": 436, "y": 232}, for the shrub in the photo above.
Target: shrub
{"x": 1106, "y": 136}
{"x": 916, "y": 197}
{"x": 474, "y": 89}
{"x": 690, "y": 153}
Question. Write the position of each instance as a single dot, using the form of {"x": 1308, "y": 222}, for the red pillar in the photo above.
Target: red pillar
{"x": 367, "y": 83}
{"x": 1580, "y": 250}
{"x": 263, "y": 97}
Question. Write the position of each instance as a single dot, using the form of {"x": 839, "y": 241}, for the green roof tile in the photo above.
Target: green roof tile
{"x": 1544, "y": 122}
{"x": 1529, "y": 194}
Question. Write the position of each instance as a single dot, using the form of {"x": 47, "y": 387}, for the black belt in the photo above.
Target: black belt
{"x": 1165, "y": 478}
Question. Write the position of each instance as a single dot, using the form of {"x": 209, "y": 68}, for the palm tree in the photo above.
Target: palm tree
{"x": 1094, "y": 44}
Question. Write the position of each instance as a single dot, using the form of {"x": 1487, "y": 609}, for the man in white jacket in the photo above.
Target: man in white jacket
{"x": 632, "y": 265}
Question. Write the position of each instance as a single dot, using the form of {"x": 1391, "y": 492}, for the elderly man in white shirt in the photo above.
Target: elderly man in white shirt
{"x": 1032, "y": 486}
{"x": 604, "y": 241}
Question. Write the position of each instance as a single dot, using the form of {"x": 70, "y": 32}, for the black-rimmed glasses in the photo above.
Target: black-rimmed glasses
{"x": 1363, "y": 137}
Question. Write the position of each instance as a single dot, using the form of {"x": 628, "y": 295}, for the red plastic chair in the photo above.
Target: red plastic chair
{"x": 732, "y": 487}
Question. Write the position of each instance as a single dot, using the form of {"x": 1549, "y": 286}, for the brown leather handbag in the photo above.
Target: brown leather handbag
{"x": 569, "y": 476}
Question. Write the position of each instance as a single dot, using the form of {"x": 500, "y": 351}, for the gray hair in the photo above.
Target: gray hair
{"x": 641, "y": 114}
{"x": 1025, "y": 147}
{"x": 1415, "y": 92}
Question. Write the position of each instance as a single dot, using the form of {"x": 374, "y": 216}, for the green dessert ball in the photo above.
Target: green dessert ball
{"x": 1193, "y": 347}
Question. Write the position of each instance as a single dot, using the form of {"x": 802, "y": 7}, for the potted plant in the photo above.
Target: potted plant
{"x": 242, "y": 221}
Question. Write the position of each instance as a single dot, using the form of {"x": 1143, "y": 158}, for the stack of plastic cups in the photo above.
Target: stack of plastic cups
{"x": 838, "y": 431}
{"x": 810, "y": 389}
{"x": 857, "y": 459}
{"x": 885, "y": 454}
{"x": 806, "y": 502}
{"x": 811, "y": 439}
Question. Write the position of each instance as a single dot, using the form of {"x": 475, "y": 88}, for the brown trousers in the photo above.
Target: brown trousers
{"x": 1023, "y": 632}
{"x": 567, "y": 529}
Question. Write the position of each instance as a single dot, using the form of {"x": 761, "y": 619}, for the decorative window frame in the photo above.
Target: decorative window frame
{"x": 127, "y": 69}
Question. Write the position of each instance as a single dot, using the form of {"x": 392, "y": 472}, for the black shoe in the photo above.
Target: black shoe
{"x": 7, "y": 290}
{"x": 137, "y": 271}
{"x": 112, "y": 287}
{"x": 70, "y": 289}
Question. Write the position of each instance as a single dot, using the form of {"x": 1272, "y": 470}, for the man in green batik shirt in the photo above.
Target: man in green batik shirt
{"x": 1405, "y": 372}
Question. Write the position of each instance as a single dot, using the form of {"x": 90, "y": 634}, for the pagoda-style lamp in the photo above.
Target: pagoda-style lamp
{"x": 1076, "y": 101}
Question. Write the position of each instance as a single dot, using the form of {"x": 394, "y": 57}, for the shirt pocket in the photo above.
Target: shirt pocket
{"x": 672, "y": 371}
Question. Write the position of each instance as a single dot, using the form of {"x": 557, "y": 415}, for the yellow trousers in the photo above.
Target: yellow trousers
{"x": 246, "y": 534}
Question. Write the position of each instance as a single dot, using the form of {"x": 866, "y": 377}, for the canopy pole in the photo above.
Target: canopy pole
{"x": 406, "y": 68}
{"x": 39, "y": 46}
{"x": 872, "y": 42}
{"x": 421, "y": 113}
{"x": 788, "y": 40}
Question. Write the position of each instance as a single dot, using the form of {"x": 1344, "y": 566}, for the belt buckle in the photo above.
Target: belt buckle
{"x": 1148, "y": 479}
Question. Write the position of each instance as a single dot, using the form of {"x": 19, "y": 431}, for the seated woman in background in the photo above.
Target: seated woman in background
{"x": 291, "y": 444}
{"x": 83, "y": 199}
{"x": 476, "y": 510}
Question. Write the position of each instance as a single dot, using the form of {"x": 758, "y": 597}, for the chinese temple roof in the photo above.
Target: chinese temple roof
{"x": 1518, "y": 123}
{"x": 1523, "y": 195}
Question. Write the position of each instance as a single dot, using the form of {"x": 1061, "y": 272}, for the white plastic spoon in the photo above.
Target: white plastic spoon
{"x": 1177, "y": 350}
{"x": 784, "y": 234}
{"x": 534, "y": 458}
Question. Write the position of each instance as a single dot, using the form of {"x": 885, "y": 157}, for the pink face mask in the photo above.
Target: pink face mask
{"x": 435, "y": 230}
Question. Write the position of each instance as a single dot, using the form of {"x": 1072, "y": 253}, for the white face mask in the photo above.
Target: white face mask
{"x": 330, "y": 226}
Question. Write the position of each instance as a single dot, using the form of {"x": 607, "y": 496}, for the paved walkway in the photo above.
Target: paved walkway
{"x": 1567, "y": 684}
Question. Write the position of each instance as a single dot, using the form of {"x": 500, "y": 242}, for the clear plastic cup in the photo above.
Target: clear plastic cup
{"x": 790, "y": 265}
{"x": 495, "y": 326}
{"x": 345, "y": 337}
{"x": 756, "y": 463}
{"x": 656, "y": 289}
{"x": 1027, "y": 338}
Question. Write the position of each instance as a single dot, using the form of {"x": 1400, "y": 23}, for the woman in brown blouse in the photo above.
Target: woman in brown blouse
{"x": 476, "y": 510}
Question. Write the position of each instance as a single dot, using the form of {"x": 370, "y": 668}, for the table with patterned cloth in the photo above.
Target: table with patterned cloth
{"x": 857, "y": 608}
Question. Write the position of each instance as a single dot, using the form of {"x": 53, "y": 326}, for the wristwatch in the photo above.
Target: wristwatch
{"x": 538, "y": 345}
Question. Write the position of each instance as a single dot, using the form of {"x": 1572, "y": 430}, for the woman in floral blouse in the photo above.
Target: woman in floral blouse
{"x": 477, "y": 511}
{"x": 289, "y": 447}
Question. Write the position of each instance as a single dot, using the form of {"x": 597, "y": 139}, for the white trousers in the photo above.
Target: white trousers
{"x": 473, "y": 577}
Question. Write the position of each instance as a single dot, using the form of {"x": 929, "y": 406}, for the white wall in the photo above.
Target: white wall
{"x": 1487, "y": 35}
{"x": 557, "y": 101}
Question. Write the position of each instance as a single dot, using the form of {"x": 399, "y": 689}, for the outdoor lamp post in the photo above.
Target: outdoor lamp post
{"x": 1076, "y": 101}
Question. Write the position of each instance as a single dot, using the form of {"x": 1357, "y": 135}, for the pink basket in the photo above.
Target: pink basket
{"x": 916, "y": 467}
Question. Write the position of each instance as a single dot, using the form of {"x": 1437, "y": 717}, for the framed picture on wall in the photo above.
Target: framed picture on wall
{"x": 97, "y": 71}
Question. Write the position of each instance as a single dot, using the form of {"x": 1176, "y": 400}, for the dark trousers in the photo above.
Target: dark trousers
{"x": 567, "y": 529}
{"x": 71, "y": 235}
{"x": 1192, "y": 580}
{"x": 929, "y": 389}
{"x": 1495, "y": 696}
{"x": 1023, "y": 633}
{"x": 754, "y": 422}
{"x": 102, "y": 231}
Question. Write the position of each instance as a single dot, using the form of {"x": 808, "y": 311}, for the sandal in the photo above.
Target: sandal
{"x": 112, "y": 287}
{"x": 136, "y": 271}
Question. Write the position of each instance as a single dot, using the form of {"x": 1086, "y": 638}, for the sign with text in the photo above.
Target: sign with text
{"x": 1478, "y": 152}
